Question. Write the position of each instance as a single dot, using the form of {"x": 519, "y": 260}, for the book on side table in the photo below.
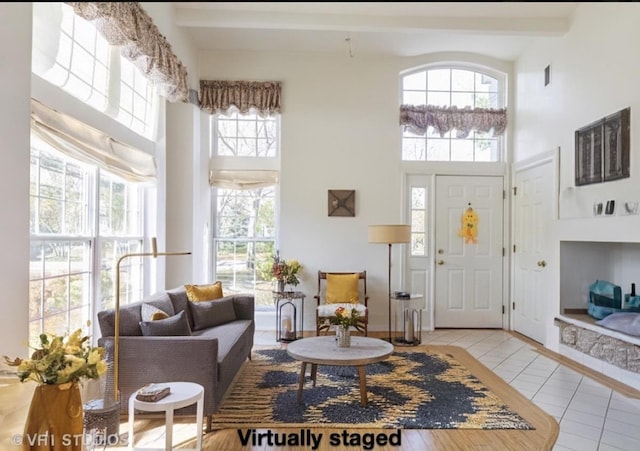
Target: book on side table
{"x": 153, "y": 392}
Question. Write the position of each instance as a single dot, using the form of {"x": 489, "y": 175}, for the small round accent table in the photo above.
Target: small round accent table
{"x": 182, "y": 394}
{"x": 324, "y": 351}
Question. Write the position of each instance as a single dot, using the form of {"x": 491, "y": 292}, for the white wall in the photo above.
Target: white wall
{"x": 594, "y": 73}
{"x": 340, "y": 130}
{"x": 14, "y": 184}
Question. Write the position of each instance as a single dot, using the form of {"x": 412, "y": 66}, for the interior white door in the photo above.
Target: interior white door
{"x": 533, "y": 213}
{"x": 469, "y": 276}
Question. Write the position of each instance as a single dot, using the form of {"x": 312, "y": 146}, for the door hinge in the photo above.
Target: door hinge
{"x": 514, "y": 248}
{"x": 503, "y": 309}
{"x": 503, "y": 252}
{"x": 513, "y": 306}
{"x": 504, "y": 194}
{"x": 515, "y": 190}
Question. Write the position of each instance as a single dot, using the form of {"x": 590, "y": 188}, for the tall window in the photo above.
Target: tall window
{"x": 246, "y": 135}
{"x": 452, "y": 87}
{"x": 83, "y": 217}
{"x": 60, "y": 268}
{"x": 245, "y": 213}
{"x": 68, "y": 223}
{"x": 245, "y": 240}
{"x": 70, "y": 53}
{"x": 120, "y": 231}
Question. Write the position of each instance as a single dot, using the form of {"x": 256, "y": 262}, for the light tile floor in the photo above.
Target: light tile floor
{"x": 591, "y": 415}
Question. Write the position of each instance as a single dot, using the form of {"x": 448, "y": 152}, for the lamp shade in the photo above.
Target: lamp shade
{"x": 386, "y": 234}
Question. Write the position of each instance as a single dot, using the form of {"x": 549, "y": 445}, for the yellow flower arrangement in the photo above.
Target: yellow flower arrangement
{"x": 346, "y": 318}
{"x": 285, "y": 270}
{"x": 59, "y": 361}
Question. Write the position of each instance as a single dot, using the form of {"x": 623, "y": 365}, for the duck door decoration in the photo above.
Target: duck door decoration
{"x": 469, "y": 229}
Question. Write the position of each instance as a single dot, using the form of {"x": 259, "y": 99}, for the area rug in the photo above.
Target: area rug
{"x": 417, "y": 388}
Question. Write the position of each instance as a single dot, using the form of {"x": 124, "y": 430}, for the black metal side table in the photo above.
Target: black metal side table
{"x": 287, "y": 303}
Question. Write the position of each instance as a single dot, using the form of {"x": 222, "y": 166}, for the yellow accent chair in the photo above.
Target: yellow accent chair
{"x": 341, "y": 289}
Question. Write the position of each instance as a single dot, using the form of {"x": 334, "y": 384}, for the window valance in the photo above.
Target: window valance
{"x": 418, "y": 118}
{"x": 77, "y": 140}
{"x": 217, "y": 96}
{"x": 127, "y": 25}
{"x": 242, "y": 179}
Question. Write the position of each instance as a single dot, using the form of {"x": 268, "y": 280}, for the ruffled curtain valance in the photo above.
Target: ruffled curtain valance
{"x": 217, "y": 96}
{"x": 418, "y": 118}
{"x": 127, "y": 25}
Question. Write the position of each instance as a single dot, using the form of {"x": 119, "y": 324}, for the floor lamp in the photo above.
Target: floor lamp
{"x": 389, "y": 234}
{"x": 154, "y": 253}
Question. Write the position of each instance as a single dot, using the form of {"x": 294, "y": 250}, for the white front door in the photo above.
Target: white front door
{"x": 469, "y": 275}
{"x": 533, "y": 212}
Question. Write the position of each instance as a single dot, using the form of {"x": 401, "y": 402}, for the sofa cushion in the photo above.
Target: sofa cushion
{"x": 212, "y": 313}
{"x": 173, "y": 326}
{"x": 198, "y": 293}
{"x": 150, "y": 313}
{"x": 130, "y": 315}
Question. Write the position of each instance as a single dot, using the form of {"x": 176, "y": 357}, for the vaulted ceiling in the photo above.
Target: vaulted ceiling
{"x": 498, "y": 29}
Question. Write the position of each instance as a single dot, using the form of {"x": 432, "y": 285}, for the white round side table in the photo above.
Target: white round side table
{"x": 182, "y": 394}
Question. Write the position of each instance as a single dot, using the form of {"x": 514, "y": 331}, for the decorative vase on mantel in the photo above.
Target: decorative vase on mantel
{"x": 55, "y": 419}
{"x": 343, "y": 336}
{"x": 281, "y": 286}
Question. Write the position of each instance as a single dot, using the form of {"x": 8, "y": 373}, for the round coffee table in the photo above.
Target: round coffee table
{"x": 325, "y": 351}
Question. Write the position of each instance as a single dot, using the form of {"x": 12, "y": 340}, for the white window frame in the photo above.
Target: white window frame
{"x": 243, "y": 163}
{"x": 92, "y": 296}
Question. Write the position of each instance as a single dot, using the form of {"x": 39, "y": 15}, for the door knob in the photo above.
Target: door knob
{"x": 440, "y": 262}
{"x": 542, "y": 263}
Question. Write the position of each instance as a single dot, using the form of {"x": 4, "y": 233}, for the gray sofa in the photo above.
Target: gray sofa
{"x": 221, "y": 340}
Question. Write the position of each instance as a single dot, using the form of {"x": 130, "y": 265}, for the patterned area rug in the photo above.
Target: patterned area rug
{"x": 412, "y": 389}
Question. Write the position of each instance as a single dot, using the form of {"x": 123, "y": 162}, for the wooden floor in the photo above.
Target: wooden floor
{"x": 15, "y": 398}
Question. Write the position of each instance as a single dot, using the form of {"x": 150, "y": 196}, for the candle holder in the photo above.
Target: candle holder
{"x": 286, "y": 321}
{"x": 410, "y": 331}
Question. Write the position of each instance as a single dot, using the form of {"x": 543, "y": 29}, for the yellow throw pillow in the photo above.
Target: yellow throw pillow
{"x": 197, "y": 293}
{"x": 342, "y": 288}
{"x": 149, "y": 312}
{"x": 155, "y": 316}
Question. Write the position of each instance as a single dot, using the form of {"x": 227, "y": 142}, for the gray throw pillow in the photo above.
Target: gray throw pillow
{"x": 212, "y": 313}
{"x": 172, "y": 326}
{"x": 627, "y": 323}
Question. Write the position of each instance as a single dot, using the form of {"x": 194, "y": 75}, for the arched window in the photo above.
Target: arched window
{"x": 452, "y": 114}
